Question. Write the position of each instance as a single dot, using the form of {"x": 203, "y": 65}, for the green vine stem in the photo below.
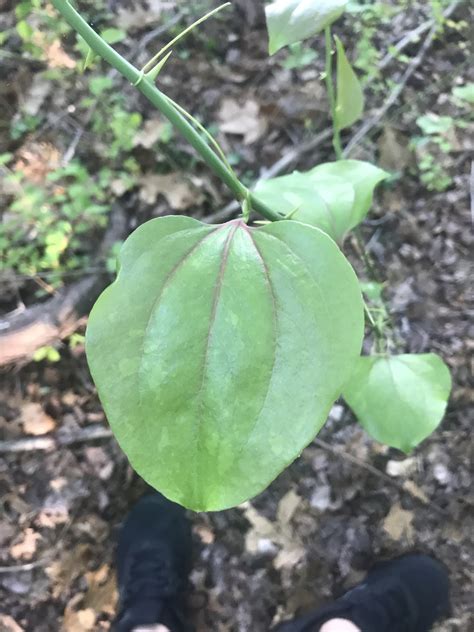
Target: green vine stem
{"x": 163, "y": 104}
{"x": 336, "y": 139}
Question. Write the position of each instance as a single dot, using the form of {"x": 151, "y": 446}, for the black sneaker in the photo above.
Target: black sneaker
{"x": 407, "y": 594}
{"x": 153, "y": 564}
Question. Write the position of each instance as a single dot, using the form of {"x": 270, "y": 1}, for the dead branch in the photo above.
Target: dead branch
{"x": 22, "y": 333}
{"x": 94, "y": 432}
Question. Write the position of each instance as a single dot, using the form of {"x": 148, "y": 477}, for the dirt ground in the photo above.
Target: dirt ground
{"x": 347, "y": 501}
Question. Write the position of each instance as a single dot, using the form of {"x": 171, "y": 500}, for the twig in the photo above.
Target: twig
{"x": 374, "y": 471}
{"x": 23, "y": 568}
{"x": 112, "y": 75}
{"x": 373, "y": 121}
{"x": 93, "y": 432}
{"x": 413, "y": 35}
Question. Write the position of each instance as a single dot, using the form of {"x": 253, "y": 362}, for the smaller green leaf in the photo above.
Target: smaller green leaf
{"x": 400, "y": 400}
{"x": 432, "y": 123}
{"x": 291, "y": 21}
{"x": 322, "y": 201}
{"x": 350, "y": 98}
{"x": 363, "y": 176}
{"x": 113, "y": 35}
{"x": 466, "y": 93}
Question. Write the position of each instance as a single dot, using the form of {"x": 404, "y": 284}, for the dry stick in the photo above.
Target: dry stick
{"x": 396, "y": 92}
{"x": 294, "y": 154}
{"x": 375, "y": 472}
{"x": 112, "y": 75}
{"x": 96, "y": 432}
{"x": 58, "y": 440}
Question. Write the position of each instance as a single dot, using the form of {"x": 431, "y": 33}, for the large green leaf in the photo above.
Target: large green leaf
{"x": 363, "y": 176}
{"x": 218, "y": 352}
{"x": 291, "y": 21}
{"x": 399, "y": 400}
{"x": 350, "y": 98}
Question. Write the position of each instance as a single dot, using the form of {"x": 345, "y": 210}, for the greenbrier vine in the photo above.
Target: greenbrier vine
{"x": 218, "y": 351}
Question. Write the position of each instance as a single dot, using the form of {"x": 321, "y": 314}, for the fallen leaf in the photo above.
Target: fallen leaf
{"x": 7, "y": 624}
{"x": 287, "y": 507}
{"x": 204, "y": 533}
{"x": 139, "y": 17}
{"x": 415, "y": 491}
{"x": 102, "y": 593}
{"x": 35, "y": 420}
{"x": 264, "y": 532}
{"x": 69, "y": 567}
{"x": 151, "y": 131}
{"x": 78, "y": 620}
{"x": 242, "y": 119}
{"x": 402, "y": 468}
{"x": 180, "y": 193}
{"x": 26, "y": 547}
{"x": 35, "y": 95}
{"x": 395, "y": 154}
{"x": 57, "y": 56}
{"x": 398, "y": 523}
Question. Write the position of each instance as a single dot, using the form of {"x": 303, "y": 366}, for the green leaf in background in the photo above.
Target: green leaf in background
{"x": 350, "y": 98}
{"x": 219, "y": 350}
{"x": 432, "y": 123}
{"x": 322, "y": 201}
{"x": 113, "y": 35}
{"x": 363, "y": 176}
{"x": 466, "y": 93}
{"x": 334, "y": 196}
{"x": 399, "y": 400}
{"x": 290, "y": 21}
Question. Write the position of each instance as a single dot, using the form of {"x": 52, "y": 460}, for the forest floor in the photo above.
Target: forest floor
{"x": 347, "y": 501}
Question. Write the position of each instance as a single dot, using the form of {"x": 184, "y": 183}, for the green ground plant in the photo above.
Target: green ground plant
{"x": 219, "y": 350}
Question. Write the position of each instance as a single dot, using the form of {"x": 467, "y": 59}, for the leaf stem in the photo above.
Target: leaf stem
{"x": 163, "y": 104}
{"x": 336, "y": 138}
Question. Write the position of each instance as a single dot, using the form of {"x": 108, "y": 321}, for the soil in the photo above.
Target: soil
{"x": 347, "y": 501}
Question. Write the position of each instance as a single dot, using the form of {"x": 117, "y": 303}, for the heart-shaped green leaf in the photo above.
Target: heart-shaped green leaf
{"x": 334, "y": 196}
{"x": 363, "y": 176}
{"x": 319, "y": 200}
{"x": 291, "y": 21}
{"x": 399, "y": 400}
{"x": 218, "y": 352}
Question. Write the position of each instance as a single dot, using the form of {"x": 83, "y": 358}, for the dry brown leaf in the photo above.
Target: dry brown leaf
{"x": 205, "y": 534}
{"x": 243, "y": 120}
{"x": 180, "y": 193}
{"x": 35, "y": 160}
{"x": 416, "y": 491}
{"x": 57, "y": 56}
{"x": 287, "y": 506}
{"x": 150, "y": 133}
{"x": 137, "y": 17}
{"x": 102, "y": 593}
{"x": 264, "y": 532}
{"x": 71, "y": 565}
{"x": 35, "y": 420}
{"x": 78, "y": 620}
{"x": 26, "y": 547}
{"x": 395, "y": 154}
{"x": 398, "y": 523}
{"x": 8, "y": 624}
{"x": 35, "y": 95}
